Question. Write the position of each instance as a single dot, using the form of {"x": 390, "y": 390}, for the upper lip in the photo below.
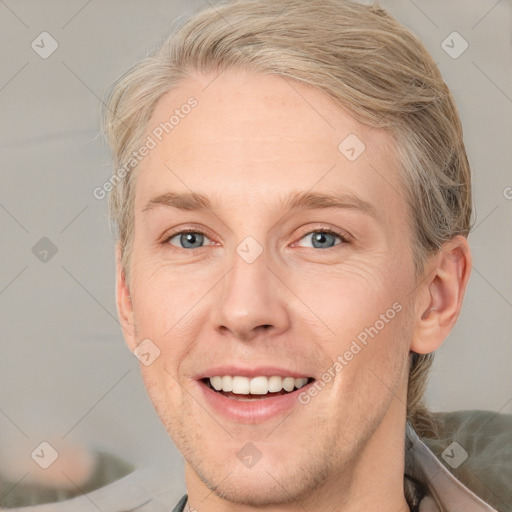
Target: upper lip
{"x": 254, "y": 371}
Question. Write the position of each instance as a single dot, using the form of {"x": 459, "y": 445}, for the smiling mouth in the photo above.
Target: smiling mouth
{"x": 256, "y": 388}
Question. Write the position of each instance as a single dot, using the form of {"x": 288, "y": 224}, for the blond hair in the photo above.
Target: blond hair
{"x": 360, "y": 57}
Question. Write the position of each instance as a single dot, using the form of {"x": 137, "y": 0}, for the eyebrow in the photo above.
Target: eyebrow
{"x": 295, "y": 200}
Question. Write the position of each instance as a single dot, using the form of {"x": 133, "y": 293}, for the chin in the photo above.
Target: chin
{"x": 256, "y": 489}
{"x": 268, "y": 483}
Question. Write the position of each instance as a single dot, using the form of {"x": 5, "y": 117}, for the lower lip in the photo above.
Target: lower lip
{"x": 251, "y": 411}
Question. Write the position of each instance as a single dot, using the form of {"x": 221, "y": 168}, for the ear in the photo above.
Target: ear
{"x": 124, "y": 302}
{"x": 439, "y": 299}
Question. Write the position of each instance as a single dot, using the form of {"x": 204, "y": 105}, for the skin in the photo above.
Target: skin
{"x": 250, "y": 141}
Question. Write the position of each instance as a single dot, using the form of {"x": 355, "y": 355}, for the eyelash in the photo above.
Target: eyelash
{"x": 344, "y": 239}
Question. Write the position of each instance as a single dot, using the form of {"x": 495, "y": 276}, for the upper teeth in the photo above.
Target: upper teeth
{"x": 256, "y": 385}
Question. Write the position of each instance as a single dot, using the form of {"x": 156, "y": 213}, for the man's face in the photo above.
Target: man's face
{"x": 256, "y": 289}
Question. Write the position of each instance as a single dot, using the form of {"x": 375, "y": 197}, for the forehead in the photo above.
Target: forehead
{"x": 258, "y": 135}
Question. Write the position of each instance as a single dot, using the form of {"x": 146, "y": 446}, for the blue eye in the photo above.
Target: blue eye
{"x": 324, "y": 239}
{"x": 188, "y": 239}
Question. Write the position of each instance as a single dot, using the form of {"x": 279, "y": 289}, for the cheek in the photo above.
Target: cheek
{"x": 163, "y": 298}
{"x": 164, "y": 394}
{"x": 372, "y": 372}
{"x": 347, "y": 298}
{"x": 372, "y": 330}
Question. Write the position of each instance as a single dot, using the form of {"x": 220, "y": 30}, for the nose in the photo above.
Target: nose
{"x": 252, "y": 301}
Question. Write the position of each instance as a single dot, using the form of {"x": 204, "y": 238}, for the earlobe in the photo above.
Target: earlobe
{"x": 124, "y": 302}
{"x": 442, "y": 295}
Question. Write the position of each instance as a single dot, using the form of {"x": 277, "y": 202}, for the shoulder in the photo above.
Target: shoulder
{"x": 154, "y": 489}
{"x": 481, "y": 442}
{"x": 469, "y": 462}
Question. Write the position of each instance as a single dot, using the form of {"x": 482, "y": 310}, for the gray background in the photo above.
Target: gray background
{"x": 66, "y": 373}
